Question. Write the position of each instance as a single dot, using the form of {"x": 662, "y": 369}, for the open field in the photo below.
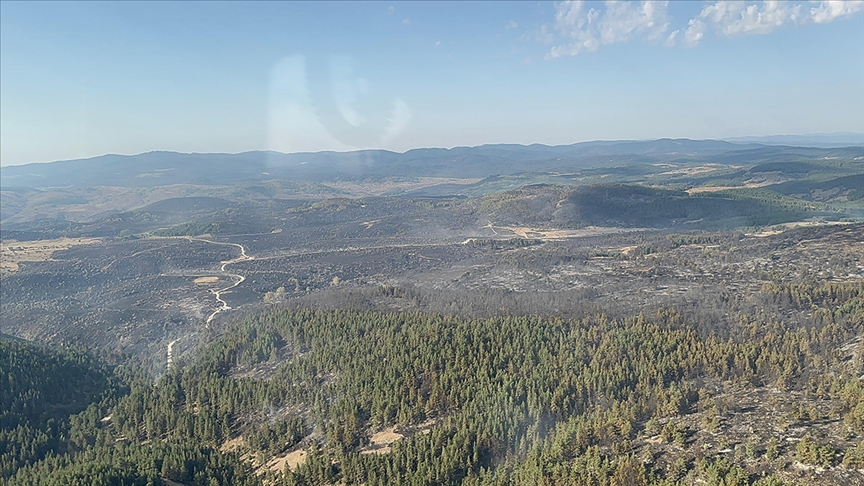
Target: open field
{"x": 291, "y": 460}
{"x": 14, "y": 252}
{"x": 701, "y": 189}
{"x": 396, "y": 186}
{"x": 381, "y": 441}
{"x": 795, "y": 224}
{"x": 557, "y": 234}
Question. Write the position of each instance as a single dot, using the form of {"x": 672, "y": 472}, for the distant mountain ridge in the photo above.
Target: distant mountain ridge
{"x": 823, "y": 140}
{"x": 154, "y": 169}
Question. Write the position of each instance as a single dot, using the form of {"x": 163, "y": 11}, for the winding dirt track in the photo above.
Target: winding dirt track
{"x": 238, "y": 279}
{"x": 170, "y": 354}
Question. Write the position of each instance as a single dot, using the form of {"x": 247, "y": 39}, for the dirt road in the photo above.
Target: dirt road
{"x": 238, "y": 279}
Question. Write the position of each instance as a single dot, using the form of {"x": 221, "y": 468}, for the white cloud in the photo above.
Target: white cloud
{"x": 625, "y": 20}
{"x": 580, "y": 28}
{"x": 832, "y": 9}
{"x": 511, "y": 25}
{"x": 406, "y": 22}
{"x": 544, "y": 36}
{"x": 670, "y": 40}
{"x": 694, "y": 33}
{"x": 736, "y": 18}
{"x": 587, "y": 30}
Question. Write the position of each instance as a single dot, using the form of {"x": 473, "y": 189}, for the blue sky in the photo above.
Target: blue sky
{"x": 85, "y": 79}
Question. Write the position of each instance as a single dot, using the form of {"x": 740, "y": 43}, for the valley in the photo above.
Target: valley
{"x": 667, "y": 318}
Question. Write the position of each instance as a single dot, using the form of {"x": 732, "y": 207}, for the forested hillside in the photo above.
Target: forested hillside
{"x": 53, "y": 423}
{"x": 41, "y": 388}
{"x": 504, "y": 400}
{"x": 624, "y": 205}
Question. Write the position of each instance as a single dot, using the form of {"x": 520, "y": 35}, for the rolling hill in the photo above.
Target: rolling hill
{"x": 154, "y": 169}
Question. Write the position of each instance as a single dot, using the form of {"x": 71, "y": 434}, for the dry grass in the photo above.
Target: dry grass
{"x": 625, "y": 250}
{"x": 690, "y": 171}
{"x": 292, "y": 459}
{"x": 206, "y": 280}
{"x": 696, "y": 190}
{"x": 381, "y": 441}
{"x": 386, "y": 436}
{"x": 426, "y": 427}
{"x": 380, "y": 188}
{"x": 172, "y": 483}
{"x": 277, "y": 464}
{"x": 231, "y": 445}
{"x": 795, "y": 224}
{"x": 558, "y": 234}
{"x": 14, "y": 252}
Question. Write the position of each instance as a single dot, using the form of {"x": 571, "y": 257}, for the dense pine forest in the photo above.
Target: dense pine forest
{"x": 645, "y": 399}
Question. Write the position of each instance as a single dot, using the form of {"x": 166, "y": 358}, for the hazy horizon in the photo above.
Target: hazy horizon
{"x": 739, "y": 140}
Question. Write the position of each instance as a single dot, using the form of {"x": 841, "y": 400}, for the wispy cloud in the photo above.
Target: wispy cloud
{"x": 671, "y": 38}
{"x": 740, "y": 18}
{"x": 511, "y": 25}
{"x": 580, "y": 28}
{"x": 543, "y": 35}
{"x": 832, "y": 9}
{"x": 586, "y": 29}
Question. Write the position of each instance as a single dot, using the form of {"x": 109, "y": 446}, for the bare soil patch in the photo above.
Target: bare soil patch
{"x": 386, "y": 436}
{"x": 696, "y": 190}
{"x": 625, "y": 250}
{"x": 776, "y": 230}
{"x": 206, "y": 280}
{"x": 231, "y": 445}
{"x": 691, "y": 171}
{"x": 292, "y": 459}
{"x": 14, "y": 252}
{"x": 560, "y": 234}
{"x": 381, "y": 441}
{"x": 389, "y": 186}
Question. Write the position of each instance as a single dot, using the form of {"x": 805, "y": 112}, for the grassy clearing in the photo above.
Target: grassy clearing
{"x": 14, "y": 252}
